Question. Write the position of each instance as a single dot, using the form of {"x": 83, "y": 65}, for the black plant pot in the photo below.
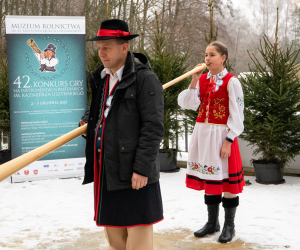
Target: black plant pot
{"x": 5, "y": 156}
{"x": 268, "y": 173}
{"x": 165, "y": 165}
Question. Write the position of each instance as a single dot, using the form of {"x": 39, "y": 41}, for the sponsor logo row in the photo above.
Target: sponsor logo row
{"x": 36, "y": 172}
{"x": 65, "y": 165}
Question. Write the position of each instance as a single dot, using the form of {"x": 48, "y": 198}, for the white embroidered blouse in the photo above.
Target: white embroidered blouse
{"x": 189, "y": 99}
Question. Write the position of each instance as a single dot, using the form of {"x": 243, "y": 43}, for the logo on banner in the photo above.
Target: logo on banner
{"x": 46, "y": 59}
{"x": 46, "y": 166}
{"x": 56, "y": 170}
{"x": 69, "y": 164}
{"x": 80, "y": 163}
{"x": 26, "y": 172}
{"x": 56, "y": 165}
{"x": 17, "y": 173}
{"x": 80, "y": 168}
{"x": 35, "y": 172}
{"x": 69, "y": 169}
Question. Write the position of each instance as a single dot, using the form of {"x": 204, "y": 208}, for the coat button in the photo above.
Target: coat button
{"x": 99, "y": 138}
{"x": 91, "y": 118}
{"x": 131, "y": 94}
{"x": 122, "y": 148}
{"x": 99, "y": 150}
{"x": 101, "y": 126}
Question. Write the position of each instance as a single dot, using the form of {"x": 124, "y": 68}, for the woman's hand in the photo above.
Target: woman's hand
{"x": 196, "y": 77}
{"x": 226, "y": 149}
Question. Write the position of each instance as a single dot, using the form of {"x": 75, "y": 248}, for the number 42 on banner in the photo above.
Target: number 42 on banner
{"x": 18, "y": 81}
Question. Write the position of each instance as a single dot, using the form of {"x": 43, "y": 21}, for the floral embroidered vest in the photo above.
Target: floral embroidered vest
{"x": 214, "y": 108}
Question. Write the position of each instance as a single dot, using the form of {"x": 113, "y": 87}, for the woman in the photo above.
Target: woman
{"x": 214, "y": 162}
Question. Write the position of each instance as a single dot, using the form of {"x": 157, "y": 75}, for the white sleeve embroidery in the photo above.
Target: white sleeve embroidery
{"x": 189, "y": 98}
{"x": 236, "y": 109}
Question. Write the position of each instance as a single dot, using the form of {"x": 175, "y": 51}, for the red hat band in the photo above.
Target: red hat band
{"x": 116, "y": 33}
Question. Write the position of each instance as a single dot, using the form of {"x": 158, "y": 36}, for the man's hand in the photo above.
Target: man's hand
{"x": 81, "y": 124}
{"x": 138, "y": 181}
{"x": 42, "y": 55}
{"x": 225, "y": 150}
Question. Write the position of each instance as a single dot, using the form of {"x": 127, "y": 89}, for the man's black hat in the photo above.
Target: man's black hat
{"x": 50, "y": 47}
{"x": 113, "y": 29}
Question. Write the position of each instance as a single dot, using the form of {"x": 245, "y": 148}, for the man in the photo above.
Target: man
{"x": 125, "y": 128}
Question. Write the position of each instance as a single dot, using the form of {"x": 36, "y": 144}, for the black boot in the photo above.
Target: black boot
{"x": 212, "y": 225}
{"x": 228, "y": 231}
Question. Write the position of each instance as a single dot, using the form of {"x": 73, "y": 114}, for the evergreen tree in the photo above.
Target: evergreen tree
{"x": 168, "y": 66}
{"x": 272, "y": 94}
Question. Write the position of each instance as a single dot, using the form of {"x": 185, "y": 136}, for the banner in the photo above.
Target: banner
{"x": 47, "y": 91}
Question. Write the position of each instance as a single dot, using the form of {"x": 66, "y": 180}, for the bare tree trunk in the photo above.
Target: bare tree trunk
{"x": 131, "y": 15}
{"x": 17, "y": 7}
{"x": 35, "y": 7}
{"x": 145, "y": 12}
{"x": 163, "y": 17}
{"x": 173, "y": 27}
{"x": 86, "y": 13}
{"x": 267, "y": 13}
{"x": 51, "y": 8}
{"x": 119, "y": 9}
{"x": 124, "y": 9}
{"x": 286, "y": 21}
{"x": 24, "y": 10}
{"x": 1, "y": 16}
{"x": 12, "y": 7}
{"x": 67, "y": 10}
{"x": 108, "y": 10}
{"x": 236, "y": 46}
{"x": 170, "y": 21}
{"x": 45, "y": 8}
{"x": 6, "y": 7}
{"x": 131, "y": 22}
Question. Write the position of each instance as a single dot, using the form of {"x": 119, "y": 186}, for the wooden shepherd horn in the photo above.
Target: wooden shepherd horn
{"x": 9, "y": 168}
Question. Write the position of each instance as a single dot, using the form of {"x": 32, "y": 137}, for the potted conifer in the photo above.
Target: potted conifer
{"x": 272, "y": 121}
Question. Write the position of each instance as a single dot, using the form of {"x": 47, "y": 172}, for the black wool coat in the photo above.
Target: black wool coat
{"x": 133, "y": 128}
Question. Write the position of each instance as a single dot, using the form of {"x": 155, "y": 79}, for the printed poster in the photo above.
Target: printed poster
{"x": 47, "y": 91}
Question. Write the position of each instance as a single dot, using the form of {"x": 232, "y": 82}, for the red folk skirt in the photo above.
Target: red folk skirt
{"x": 234, "y": 184}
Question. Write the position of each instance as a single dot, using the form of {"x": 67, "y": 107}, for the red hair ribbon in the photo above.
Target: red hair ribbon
{"x": 116, "y": 33}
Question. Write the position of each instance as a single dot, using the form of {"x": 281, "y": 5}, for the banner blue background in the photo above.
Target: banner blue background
{"x": 46, "y": 105}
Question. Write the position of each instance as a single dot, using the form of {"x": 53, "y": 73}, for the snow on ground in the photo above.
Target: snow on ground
{"x": 56, "y": 209}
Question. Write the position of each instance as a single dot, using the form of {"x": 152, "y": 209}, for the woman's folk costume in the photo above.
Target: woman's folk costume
{"x": 220, "y": 118}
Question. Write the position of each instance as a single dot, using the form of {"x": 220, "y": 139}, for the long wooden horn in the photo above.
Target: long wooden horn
{"x": 193, "y": 71}
{"x": 9, "y": 168}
